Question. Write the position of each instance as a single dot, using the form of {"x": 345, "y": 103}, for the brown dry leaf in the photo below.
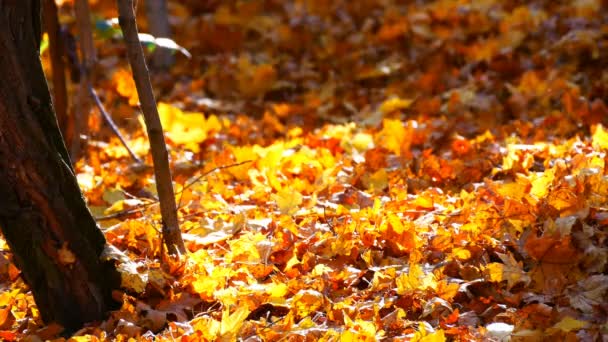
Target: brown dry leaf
{"x": 589, "y": 293}
{"x": 552, "y": 249}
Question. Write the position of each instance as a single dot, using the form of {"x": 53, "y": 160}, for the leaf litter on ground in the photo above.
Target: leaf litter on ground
{"x": 359, "y": 171}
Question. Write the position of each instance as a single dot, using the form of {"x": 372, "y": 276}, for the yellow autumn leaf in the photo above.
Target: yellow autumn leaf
{"x": 394, "y": 104}
{"x": 205, "y": 285}
{"x": 423, "y": 336}
{"x": 306, "y": 302}
{"x": 410, "y": 281}
{"x": 83, "y": 338}
{"x": 541, "y": 183}
{"x": 207, "y": 327}
{"x": 396, "y": 224}
{"x": 494, "y": 271}
{"x": 569, "y": 324}
{"x": 288, "y": 201}
{"x": 461, "y": 253}
{"x": 231, "y": 323}
{"x": 125, "y": 86}
{"x": 6, "y": 298}
{"x": 424, "y": 202}
{"x": 393, "y": 135}
{"x": 242, "y": 154}
{"x": 123, "y": 204}
{"x": 320, "y": 270}
{"x": 187, "y": 128}
{"x": 358, "y": 330}
{"x": 277, "y": 290}
{"x": 447, "y": 290}
{"x": 306, "y": 323}
{"x": 515, "y": 190}
{"x": 349, "y": 336}
{"x": 366, "y": 328}
{"x": 470, "y": 227}
{"x": 377, "y": 181}
{"x": 437, "y": 336}
{"x": 292, "y": 262}
{"x": 228, "y": 296}
{"x": 245, "y": 248}
{"x": 362, "y": 141}
{"x": 600, "y": 138}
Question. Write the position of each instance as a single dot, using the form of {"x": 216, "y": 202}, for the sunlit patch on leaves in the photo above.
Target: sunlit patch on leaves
{"x": 394, "y": 104}
{"x": 395, "y": 136}
{"x": 600, "y": 138}
{"x": 288, "y": 201}
{"x": 125, "y": 86}
{"x": 133, "y": 275}
{"x": 306, "y": 302}
{"x": 187, "y": 128}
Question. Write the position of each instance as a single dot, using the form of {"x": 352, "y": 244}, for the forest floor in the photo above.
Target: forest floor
{"x": 356, "y": 171}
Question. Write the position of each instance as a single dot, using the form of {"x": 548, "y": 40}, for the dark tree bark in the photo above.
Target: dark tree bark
{"x": 55, "y": 240}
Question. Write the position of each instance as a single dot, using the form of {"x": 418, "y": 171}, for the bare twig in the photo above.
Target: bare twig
{"x": 221, "y": 167}
{"x": 171, "y": 232}
{"x": 111, "y": 123}
{"x": 122, "y": 213}
{"x": 143, "y": 206}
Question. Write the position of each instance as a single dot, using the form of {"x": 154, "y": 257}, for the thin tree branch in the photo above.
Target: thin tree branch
{"x": 111, "y": 123}
{"x": 120, "y": 214}
{"x": 221, "y": 167}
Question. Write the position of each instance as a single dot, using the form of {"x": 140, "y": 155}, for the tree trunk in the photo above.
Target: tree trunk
{"x": 57, "y": 51}
{"x": 88, "y": 58}
{"x": 44, "y": 218}
{"x": 158, "y": 24}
